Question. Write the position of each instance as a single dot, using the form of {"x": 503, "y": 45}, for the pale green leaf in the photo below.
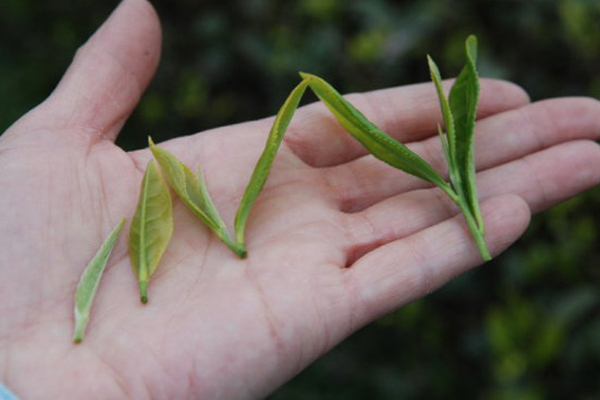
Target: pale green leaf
{"x": 186, "y": 185}
{"x": 151, "y": 227}
{"x": 89, "y": 282}
{"x": 192, "y": 191}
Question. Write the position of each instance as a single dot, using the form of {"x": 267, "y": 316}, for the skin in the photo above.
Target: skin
{"x": 336, "y": 239}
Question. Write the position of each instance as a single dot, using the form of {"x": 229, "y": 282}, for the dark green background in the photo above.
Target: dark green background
{"x": 524, "y": 327}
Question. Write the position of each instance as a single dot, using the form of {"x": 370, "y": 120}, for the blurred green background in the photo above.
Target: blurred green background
{"x": 524, "y": 327}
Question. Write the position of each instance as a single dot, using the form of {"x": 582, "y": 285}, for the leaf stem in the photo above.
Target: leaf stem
{"x": 81, "y": 322}
{"x": 237, "y": 247}
{"x": 476, "y": 232}
{"x": 450, "y": 192}
{"x": 144, "y": 291}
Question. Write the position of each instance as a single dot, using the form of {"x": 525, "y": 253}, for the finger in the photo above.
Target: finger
{"x": 408, "y": 113}
{"x": 500, "y": 139}
{"x": 547, "y": 178}
{"x": 109, "y": 73}
{"x": 404, "y": 270}
{"x": 542, "y": 180}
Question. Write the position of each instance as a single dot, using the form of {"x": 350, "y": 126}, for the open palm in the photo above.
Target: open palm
{"x": 335, "y": 240}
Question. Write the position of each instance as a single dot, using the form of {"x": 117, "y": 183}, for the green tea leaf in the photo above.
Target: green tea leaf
{"x": 262, "y": 168}
{"x": 445, "y": 148}
{"x": 89, "y": 281}
{"x": 192, "y": 191}
{"x": 463, "y": 99}
{"x": 186, "y": 185}
{"x": 380, "y": 144}
{"x": 459, "y": 112}
{"x": 448, "y": 143}
{"x": 151, "y": 227}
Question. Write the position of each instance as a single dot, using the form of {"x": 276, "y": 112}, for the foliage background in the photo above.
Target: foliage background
{"x": 524, "y": 327}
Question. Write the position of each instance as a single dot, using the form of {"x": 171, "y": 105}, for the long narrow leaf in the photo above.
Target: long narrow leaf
{"x": 380, "y": 144}
{"x": 89, "y": 282}
{"x": 448, "y": 144}
{"x": 151, "y": 227}
{"x": 262, "y": 168}
{"x": 446, "y": 149}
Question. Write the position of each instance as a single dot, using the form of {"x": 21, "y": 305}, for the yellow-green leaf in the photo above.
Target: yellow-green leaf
{"x": 192, "y": 191}
{"x": 89, "y": 281}
{"x": 151, "y": 227}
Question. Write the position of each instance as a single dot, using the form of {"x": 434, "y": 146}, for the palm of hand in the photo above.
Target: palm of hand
{"x": 217, "y": 326}
{"x": 202, "y": 295}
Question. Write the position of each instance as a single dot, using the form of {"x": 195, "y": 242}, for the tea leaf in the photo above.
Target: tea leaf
{"x": 463, "y": 99}
{"x": 262, "y": 168}
{"x": 380, "y": 144}
{"x": 192, "y": 191}
{"x": 448, "y": 143}
{"x": 89, "y": 281}
{"x": 151, "y": 227}
{"x": 445, "y": 148}
{"x": 459, "y": 112}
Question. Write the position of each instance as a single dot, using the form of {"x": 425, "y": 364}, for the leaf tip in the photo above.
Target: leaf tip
{"x": 306, "y": 76}
{"x": 471, "y": 47}
{"x": 434, "y": 71}
{"x": 472, "y": 39}
{"x": 154, "y": 148}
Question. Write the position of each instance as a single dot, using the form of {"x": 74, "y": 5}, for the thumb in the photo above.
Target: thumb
{"x": 108, "y": 75}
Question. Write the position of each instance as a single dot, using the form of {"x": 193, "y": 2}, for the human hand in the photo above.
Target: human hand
{"x": 335, "y": 240}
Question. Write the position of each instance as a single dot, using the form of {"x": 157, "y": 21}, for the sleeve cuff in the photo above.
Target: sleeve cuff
{"x": 6, "y": 394}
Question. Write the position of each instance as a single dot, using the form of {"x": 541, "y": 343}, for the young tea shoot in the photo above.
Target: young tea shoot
{"x": 89, "y": 281}
{"x": 380, "y": 144}
{"x": 459, "y": 112}
{"x": 459, "y": 117}
{"x": 194, "y": 194}
{"x": 151, "y": 227}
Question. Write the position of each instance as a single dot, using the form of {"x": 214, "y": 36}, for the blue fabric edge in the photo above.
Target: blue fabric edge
{"x": 6, "y": 394}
